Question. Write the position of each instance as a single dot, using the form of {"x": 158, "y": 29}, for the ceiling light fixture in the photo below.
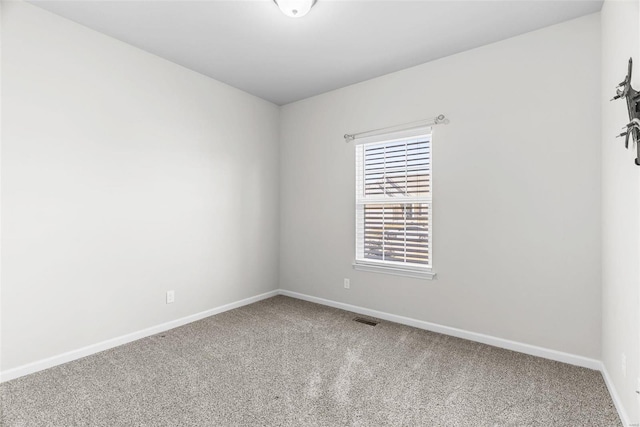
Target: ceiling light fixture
{"x": 295, "y": 8}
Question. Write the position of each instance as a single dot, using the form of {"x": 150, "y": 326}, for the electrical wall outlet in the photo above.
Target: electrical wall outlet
{"x": 624, "y": 365}
{"x": 171, "y": 296}
{"x": 347, "y": 283}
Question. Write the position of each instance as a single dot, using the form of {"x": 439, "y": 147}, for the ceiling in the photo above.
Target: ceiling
{"x": 252, "y": 46}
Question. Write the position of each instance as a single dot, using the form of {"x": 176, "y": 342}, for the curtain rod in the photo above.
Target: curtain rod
{"x": 348, "y": 137}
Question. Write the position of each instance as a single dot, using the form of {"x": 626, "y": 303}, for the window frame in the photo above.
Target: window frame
{"x": 384, "y": 266}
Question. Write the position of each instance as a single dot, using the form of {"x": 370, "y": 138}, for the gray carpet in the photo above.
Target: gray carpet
{"x": 284, "y": 362}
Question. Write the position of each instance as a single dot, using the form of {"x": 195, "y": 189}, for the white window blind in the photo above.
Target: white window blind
{"x": 393, "y": 201}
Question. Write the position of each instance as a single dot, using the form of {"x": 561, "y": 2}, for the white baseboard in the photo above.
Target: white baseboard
{"x": 114, "y": 342}
{"x": 533, "y": 350}
{"x": 615, "y": 397}
{"x": 420, "y": 324}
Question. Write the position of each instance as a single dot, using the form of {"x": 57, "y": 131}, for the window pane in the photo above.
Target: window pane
{"x": 393, "y": 202}
{"x": 398, "y": 169}
{"x": 397, "y": 232}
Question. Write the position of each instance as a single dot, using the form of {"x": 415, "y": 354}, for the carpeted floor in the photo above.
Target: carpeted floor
{"x": 285, "y": 362}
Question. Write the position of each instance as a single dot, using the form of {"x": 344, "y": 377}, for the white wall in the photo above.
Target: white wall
{"x": 620, "y": 208}
{"x": 123, "y": 176}
{"x": 516, "y": 189}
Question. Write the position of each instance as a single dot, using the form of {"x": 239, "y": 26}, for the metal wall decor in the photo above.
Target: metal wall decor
{"x": 632, "y": 130}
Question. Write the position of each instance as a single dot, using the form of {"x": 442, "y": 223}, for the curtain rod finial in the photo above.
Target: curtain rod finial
{"x": 441, "y": 119}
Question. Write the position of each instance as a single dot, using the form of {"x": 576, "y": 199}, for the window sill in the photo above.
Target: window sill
{"x": 417, "y": 274}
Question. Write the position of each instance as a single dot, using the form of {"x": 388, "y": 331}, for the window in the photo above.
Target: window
{"x": 393, "y": 204}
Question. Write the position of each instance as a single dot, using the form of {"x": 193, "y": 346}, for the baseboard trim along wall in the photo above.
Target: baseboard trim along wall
{"x": 615, "y": 397}
{"x": 69, "y": 356}
{"x": 532, "y": 350}
{"x": 420, "y": 324}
